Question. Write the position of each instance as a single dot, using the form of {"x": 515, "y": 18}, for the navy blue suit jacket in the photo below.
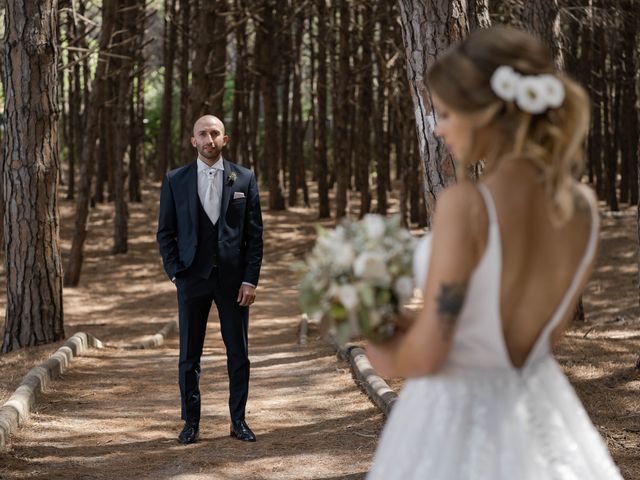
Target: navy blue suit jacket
{"x": 239, "y": 226}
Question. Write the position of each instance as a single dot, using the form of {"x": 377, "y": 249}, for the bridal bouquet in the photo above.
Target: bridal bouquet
{"x": 358, "y": 277}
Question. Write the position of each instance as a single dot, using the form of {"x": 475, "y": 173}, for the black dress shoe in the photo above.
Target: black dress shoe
{"x": 241, "y": 431}
{"x": 189, "y": 433}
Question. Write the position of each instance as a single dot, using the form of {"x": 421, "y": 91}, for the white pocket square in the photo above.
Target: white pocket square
{"x": 238, "y": 195}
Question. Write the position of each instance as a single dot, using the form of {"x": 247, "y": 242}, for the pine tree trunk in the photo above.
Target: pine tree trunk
{"x": 65, "y": 135}
{"x": 320, "y": 152}
{"x": 416, "y": 197}
{"x": 238, "y": 147}
{"x": 478, "y": 14}
{"x": 428, "y": 28}
{"x": 137, "y": 137}
{"x": 107, "y": 135}
{"x": 255, "y": 120}
{"x": 296, "y": 160}
{"x": 341, "y": 156}
{"x": 137, "y": 108}
{"x": 403, "y": 160}
{"x": 126, "y": 21}
{"x": 268, "y": 70}
{"x": 381, "y": 123}
{"x": 365, "y": 109}
{"x": 616, "y": 82}
{"x": 218, "y": 65}
{"x": 609, "y": 152}
{"x": 285, "y": 88}
{"x": 352, "y": 93}
{"x": 165, "y": 144}
{"x": 636, "y": 67}
{"x": 34, "y": 311}
{"x": 542, "y": 18}
{"x": 74, "y": 103}
{"x": 596, "y": 51}
{"x": 185, "y": 154}
{"x": 508, "y": 12}
{"x": 334, "y": 31}
{"x": 630, "y": 131}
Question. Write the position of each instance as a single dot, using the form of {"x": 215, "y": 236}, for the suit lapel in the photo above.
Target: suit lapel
{"x": 226, "y": 191}
{"x": 192, "y": 189}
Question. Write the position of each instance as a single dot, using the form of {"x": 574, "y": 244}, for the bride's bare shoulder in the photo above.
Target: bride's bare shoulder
{"x": 461, "y": 211}
{"x": 459, "y": 198}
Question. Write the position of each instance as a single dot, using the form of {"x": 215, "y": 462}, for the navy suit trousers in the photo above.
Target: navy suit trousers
{"x": 195, "y": 297}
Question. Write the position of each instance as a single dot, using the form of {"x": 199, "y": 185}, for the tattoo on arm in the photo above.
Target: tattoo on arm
{"x": 450, "y": 301}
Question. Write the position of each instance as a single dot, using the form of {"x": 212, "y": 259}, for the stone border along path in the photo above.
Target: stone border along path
{"x": 16, "y": 410}
{"x": 365, "y": 376}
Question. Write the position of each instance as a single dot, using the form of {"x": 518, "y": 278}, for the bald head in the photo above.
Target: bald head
{"x": 208, "y": 120}
{"x": 209, "y": 138}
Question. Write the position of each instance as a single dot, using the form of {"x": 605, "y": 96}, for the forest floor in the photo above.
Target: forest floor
{"x": 115, "y": 413}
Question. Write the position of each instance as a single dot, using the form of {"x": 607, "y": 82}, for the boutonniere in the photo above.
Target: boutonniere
{"x": 232, "y": 178}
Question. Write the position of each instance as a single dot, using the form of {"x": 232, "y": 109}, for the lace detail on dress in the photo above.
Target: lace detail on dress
{"x": 492, "y": 424}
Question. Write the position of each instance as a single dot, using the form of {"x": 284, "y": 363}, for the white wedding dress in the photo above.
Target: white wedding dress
{"x": 482, "y": 418}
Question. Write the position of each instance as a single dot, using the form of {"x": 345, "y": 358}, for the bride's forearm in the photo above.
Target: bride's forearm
{"x": 422, "y": 351}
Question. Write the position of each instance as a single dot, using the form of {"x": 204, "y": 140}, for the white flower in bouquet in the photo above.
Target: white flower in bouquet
{"x": 358, "y": 277}
{"x": 333, "y": 250}
{"x": 371, "y": 266}
{"x": 343, "y": 256}
{"x": 348, "y": 296}
{"x": 375, "y": 319}
{"x": 404, "y": 287}
{"x": 375, "y": 226}
{"x": 366, "y": 295}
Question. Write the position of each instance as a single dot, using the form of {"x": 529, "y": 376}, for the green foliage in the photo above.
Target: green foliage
{"x": 227, "y": 106}
{"x": 153, "y": 92}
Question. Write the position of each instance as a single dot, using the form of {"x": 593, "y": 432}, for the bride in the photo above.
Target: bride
{"x": 501, "y": 276}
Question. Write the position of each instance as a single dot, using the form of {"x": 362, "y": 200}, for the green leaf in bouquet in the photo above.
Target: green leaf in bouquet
{"x": 383, "y": 296}
{"x": 338, "y": 312}
{"x": 309, "y": 297}
{"x": 299, "y": 267}
{"x": 320, "y": 230}
{"x": 367, "y": 297}
{"x": 343, "y": 332}
{"x": 308, "y": 302}
{"x": 364, "y": 323}
{"x": 341, "y": 278}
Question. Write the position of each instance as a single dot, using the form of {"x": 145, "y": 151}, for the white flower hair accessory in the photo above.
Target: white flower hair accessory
{"x": 504, "y": 83}
{"x": 554, "y": 90}
{"x": 532, "y": 93}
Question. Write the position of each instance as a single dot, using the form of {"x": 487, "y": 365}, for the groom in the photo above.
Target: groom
{"x": 210, "y": 237}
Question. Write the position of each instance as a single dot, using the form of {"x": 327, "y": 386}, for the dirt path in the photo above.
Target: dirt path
{"x": 115, "y": 413}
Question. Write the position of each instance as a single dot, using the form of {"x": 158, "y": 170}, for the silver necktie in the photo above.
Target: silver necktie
{"x": 212, "y": 196}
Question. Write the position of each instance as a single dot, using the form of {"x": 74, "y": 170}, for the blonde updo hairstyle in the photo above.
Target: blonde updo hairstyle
{"x": 551, "y": 140}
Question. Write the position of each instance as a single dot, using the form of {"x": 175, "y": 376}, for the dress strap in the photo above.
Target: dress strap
{"x": 489, "y": 203}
